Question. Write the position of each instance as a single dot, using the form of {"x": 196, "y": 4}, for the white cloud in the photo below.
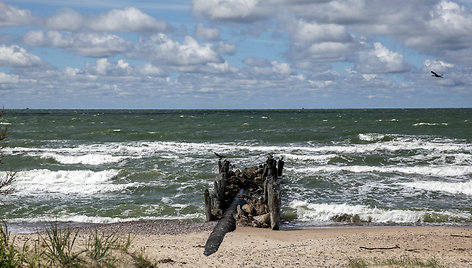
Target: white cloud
{"x": 67, "y": 19}
{"x": 151, "y": 70}
{"x": 11, "y": 16}
{"x": 313, "y": 43}
{"x": 206, "y": 33}
{"x": 381, "y": 60}
{"x": 315, "y": 32}
{"x": 224, "y": 48}
{"x": 105, "y": 68}
{"x": 436, "y": 65}
{"x": 87, "y": 44}
{"x": 235, "y": 10}
{"x": 130, "y": 19}
{"x": 8, "y": 79}
{"x": 281, "y": 68}
{"x": 15, "y": 56}
{"x": 161, "y": 49}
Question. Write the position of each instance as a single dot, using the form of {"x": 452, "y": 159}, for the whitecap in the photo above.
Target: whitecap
{"x": 430, "y": 124}
{"x": 442, "y": 171}
{"x": 324, "y": 213}
{"x": 87, "y": 159}
{"x": 43, "y": 182}
{"x": 371, "y": 137}
{"x": 439, "y": 186}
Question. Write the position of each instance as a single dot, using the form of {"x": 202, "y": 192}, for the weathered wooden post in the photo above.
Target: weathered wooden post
{"x": 207, "y": 197}
{"x": 273, "y": 192}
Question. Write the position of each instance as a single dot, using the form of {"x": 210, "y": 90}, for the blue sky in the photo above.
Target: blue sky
{"x": 242, "y": 54}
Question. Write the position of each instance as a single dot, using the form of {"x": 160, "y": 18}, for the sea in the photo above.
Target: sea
{"x": 380, "y": 167}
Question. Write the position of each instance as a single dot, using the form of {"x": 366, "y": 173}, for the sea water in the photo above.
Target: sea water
{"x": 385, "y": 167}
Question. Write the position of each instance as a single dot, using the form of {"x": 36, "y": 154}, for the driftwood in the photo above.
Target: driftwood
{"x": 225, "y": 225}
{"x": 381, "y": 248}
{"x": 250, "y": 197}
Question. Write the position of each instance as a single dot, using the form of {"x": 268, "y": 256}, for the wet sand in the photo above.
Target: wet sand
{"x": 181, "y": 244}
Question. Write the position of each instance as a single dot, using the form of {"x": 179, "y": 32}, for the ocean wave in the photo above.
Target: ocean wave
{"x": 39, "y": 182}
{"x": 393, "y": 143}
{"x": 439, "y": 186}
{"x": 326, "y": 213}
{"x": 86, "y": 159}
{"x": 371, "y": 137}
{"x": 441, "y": 171}
{"x": 430, "y": 124}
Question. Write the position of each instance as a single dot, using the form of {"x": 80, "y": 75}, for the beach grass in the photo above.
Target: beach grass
{"x": 402, "y": 261}
{"x": 10, "y": 256}
{"x": 67, "y": 247}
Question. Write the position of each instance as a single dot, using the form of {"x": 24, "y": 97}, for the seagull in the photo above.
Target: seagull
{"x": 436, "y": 75}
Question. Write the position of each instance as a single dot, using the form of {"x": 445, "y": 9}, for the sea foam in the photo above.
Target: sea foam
{"x": 438, "y": 186}
{"x": 39, "y": 182}
{"x": 324, "y": 213}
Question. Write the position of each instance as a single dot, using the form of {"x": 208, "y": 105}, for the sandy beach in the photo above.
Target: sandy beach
{"x": 181, "y": 244}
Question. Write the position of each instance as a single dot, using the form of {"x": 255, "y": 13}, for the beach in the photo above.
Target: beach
{"x": 181, "y": 244}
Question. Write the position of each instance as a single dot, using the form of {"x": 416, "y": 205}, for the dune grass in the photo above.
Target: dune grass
{"x": 67, "y": 247}
{"x": 402, "y": 261}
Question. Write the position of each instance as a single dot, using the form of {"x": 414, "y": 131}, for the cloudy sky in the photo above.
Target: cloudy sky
{"x": 235, "y": 53}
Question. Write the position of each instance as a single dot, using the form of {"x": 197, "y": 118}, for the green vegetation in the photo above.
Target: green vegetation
{"x": 405, "y": 261}
{"x": 9, "y": 255}
{"x": 65, "y": 247}
{"x": 357, "y": 263}
{"x": 402, "y": 261}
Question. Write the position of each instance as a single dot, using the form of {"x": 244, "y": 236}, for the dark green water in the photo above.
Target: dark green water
{"x": 387, "y": 166}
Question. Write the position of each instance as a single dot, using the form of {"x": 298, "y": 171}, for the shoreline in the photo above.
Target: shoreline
{"x": 180, "y": 243}
{"x": 176, "y": 226}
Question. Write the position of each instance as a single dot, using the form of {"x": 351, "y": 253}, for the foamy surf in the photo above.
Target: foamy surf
{"x": 43, "y": 182}
{"x": 102, "y": 166}
{"x": 330, "y": 213}
{"x": 464, "y": 188}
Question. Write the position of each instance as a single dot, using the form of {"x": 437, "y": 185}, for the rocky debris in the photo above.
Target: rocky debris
{"x": 349, "y": 218}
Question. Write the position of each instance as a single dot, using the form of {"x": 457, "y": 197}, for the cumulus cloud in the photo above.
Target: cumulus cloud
{"x": 206, "y": 33}
{"x": 105, "y": 68}
{"x": 311, "y": 41}
{"x": 8, "y": 79}
{"x": 224, "y": 48}
{"x": 446, "y": 33}
{"x": 15, "y": 56}
{"x": 89, "y": 44}
{"x": 439, "y": 27}
{"x": 67, "y": 19}
{"x": 306, "y": 32}
{"x": 130, "y": 19}
{"x": 11, "y": 16}
{"x": 161, "y": 49}
{"x": 235, "y": 10}
{"x": 381, "y": 60}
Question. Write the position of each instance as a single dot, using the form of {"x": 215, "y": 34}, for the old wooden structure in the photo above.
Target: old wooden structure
{"x": 250, "y": 197}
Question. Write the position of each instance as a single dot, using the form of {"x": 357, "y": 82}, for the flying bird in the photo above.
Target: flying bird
{"x": 436, "y": 75}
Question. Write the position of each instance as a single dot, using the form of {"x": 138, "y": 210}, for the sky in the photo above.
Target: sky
{"x": 235, "y": 54}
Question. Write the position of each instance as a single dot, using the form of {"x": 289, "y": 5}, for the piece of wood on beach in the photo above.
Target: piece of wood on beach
{"x": 225, "y": 225}
{"x": 380, "y": 248}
